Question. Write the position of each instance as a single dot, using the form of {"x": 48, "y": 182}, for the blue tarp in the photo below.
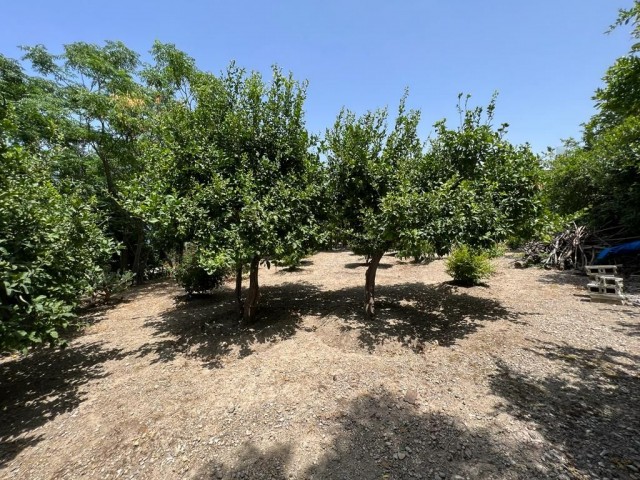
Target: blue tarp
{"x": 624, "y": 249}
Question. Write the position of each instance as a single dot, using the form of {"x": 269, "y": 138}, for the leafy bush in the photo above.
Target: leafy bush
{"x": 194, "y": 276}
{"x": 109, "y": 283}
{"x": 496, "y": 250}
{"x": 468, "y": 266}
{"x": 51, "y": 249}
{"x": 412, "y": 246}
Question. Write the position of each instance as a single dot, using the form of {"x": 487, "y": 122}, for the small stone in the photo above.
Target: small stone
{"x": 633, "y": 468}
{"x": 411, "y": 396}
{"x": 401, "y": 455}
{"x": 231, "y": 409}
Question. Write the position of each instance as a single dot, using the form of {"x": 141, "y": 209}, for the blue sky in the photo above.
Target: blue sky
{"x": 545, "y": 58}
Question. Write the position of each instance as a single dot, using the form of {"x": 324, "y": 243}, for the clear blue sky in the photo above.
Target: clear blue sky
{"x": 545, "y": 58}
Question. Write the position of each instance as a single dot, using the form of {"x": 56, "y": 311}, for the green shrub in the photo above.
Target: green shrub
{"x": 419, "y": 251}
{"x": 51, "y": 248}
{"x": 468, "y": 266}
{"x": 194, "y": 277}
{"x": 496, "y": 250}
{"x": 108, "y": 283}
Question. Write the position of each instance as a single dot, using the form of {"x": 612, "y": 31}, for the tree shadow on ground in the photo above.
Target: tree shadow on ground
{"x": 413, "y": 314}
{"x": 629, "y": 328}
{"x": 209, "y": 328}
{"x": 589, "y": 409}
{"x": 465, "y": 284}
{"x": 379, "y": 436}
{"x": 300, "y": 267}
{"x": 353, "y": 265}
{"x": 408, "y": 260}
{"x": 565, "y": 277}
{"x": 42, "y": 385}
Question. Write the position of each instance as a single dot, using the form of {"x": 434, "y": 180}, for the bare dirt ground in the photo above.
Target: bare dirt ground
{"x": 522, "y": 378}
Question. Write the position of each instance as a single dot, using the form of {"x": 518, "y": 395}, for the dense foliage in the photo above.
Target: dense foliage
{"x": 471, "y": 186}
{"x": 484, "y": 188}
{"x": 468, "y": 266}
{"x": 238, "y": 162}
{"x": 95, "y": 111}
{"x": 599, "y": 177}
{"x": 193, "y": 277}
{"x": 52, "y": 251}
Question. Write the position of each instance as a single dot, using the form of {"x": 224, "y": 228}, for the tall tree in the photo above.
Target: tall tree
{"x": 470, "y": 187}
{"x": 489, "y": 188}
{"x": 237, "y": 156}
{"x": 100, "y": 109}
{"x": 366, "y": 163}
{"x": 52, "y": 247}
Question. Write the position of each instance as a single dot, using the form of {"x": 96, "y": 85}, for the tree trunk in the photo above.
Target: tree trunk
{"x": 124, "y": 255}
{"x": 138, "y": 266}
{"x": 239, "y": 286}
{"x": 108, "y": 173}
{"x": 370, "y": 284}
{"x": 253, "y": 294}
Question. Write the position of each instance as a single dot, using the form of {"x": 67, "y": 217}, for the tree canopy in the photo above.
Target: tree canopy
{"x": 599, "y": 177}
{"x": 53, "y": 249}
{"x": 238, "y": 160}
{"x": 470, "y": 186}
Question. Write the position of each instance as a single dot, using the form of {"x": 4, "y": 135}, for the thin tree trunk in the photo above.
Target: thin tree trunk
{"x": 239, "y": 286}
{"x": 253, "y": 294}
{"x": 111, "y": 188}
{"x": 138, "y": 267}
{"x": 370, "y": 284}
{"x": 5, "y": 300}
{"x": 124, "y": 255}
{"x": 106, "y": 169}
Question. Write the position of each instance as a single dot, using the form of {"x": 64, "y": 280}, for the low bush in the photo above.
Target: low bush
{"x": 194, "y": 277}
{"x": 468, "y": 266}
{"x": 496, "y": 250}
{"x": 108, "y": 283}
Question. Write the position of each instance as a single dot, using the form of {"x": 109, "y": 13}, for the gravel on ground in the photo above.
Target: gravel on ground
{"x": 520, "y": 378}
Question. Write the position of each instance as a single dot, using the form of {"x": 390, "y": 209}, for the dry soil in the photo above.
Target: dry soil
{"x": 520, "y": 378}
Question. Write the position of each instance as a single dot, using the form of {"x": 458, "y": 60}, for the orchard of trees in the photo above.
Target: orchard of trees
{"x": 113, "y": 167}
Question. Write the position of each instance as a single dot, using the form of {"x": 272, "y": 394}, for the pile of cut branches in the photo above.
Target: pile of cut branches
{"x": 566, "y": 250}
